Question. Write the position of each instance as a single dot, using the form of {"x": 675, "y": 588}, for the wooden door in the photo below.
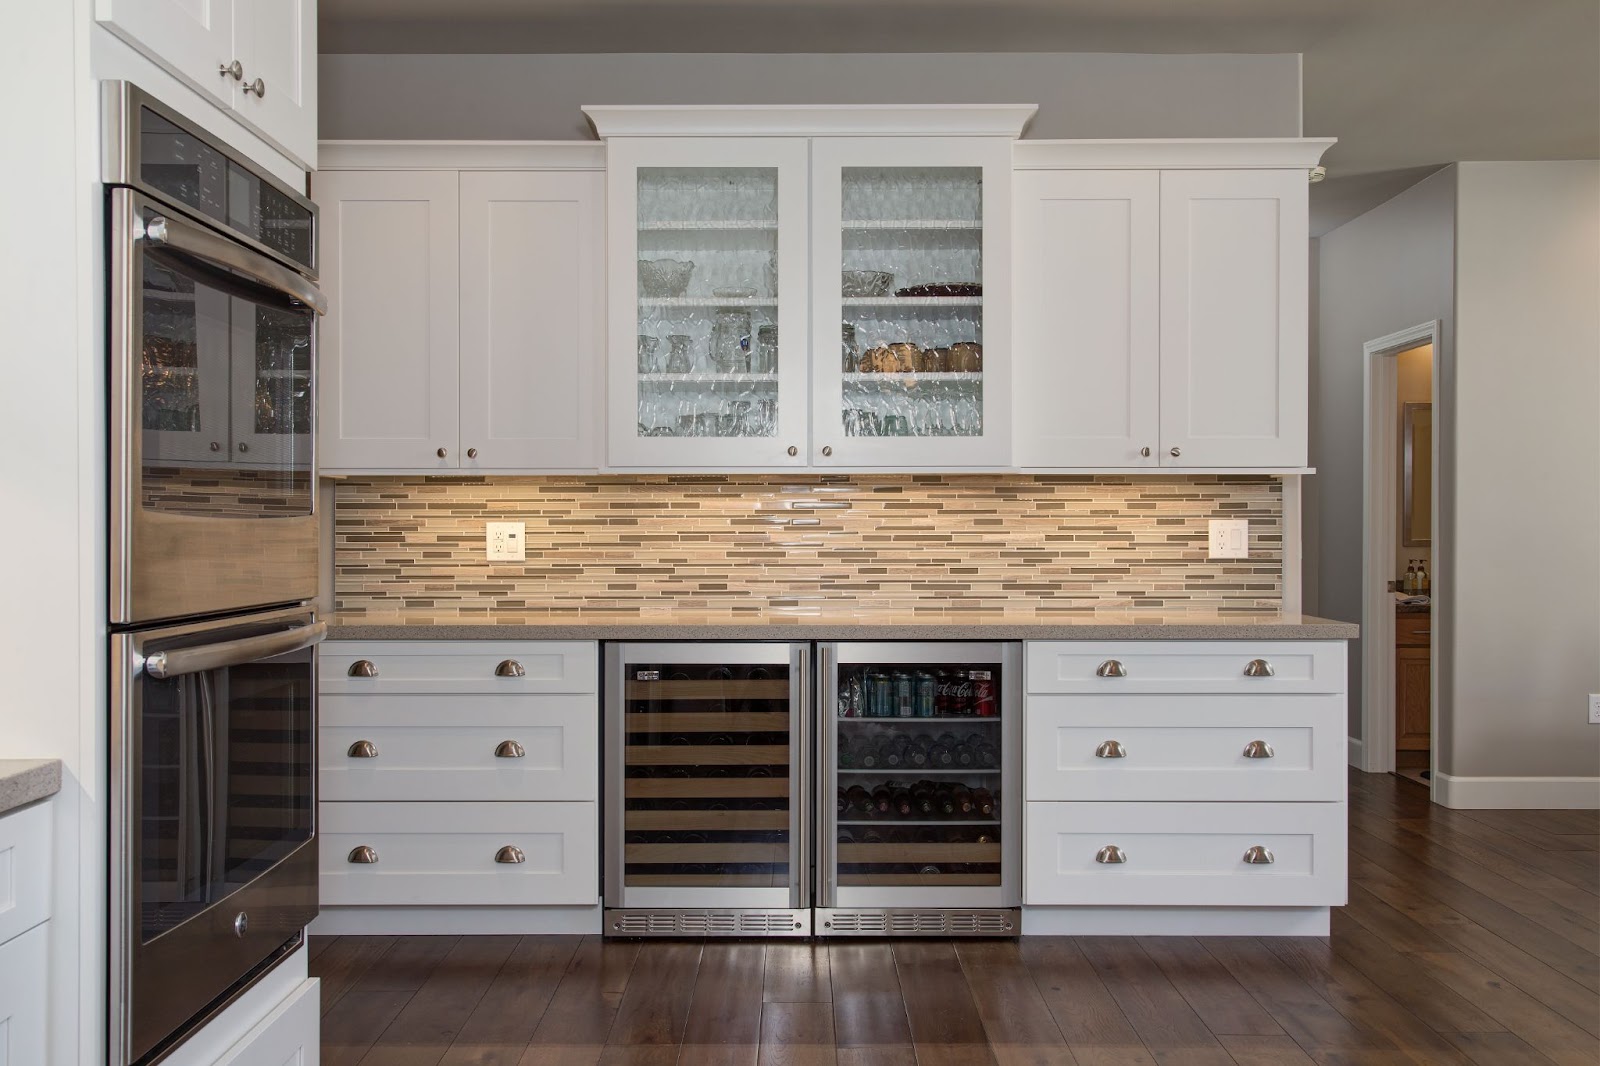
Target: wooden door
{"x": 1412, "y": 699}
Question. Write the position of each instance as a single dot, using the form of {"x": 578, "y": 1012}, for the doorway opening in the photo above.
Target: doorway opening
{"x": 1400, "y": 555}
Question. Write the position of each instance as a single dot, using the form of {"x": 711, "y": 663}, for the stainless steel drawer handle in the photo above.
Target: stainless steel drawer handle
{"x": 1258, "y": 668}
{"x": 362, "y": 855}
{"x": 1258, "y": 749}
{"x": 363, "y": 749}
{"x": 510, "y": 668}
{"x": 1258, "y": 856}
{"x": 1111, "y": 668}
{"x": 1111, "y": 749}
{"x": 509, "y": 749}
{"x": 363, "y": 668}
{"x": 1111, "y": 854}
{"x": 510, "y": 855}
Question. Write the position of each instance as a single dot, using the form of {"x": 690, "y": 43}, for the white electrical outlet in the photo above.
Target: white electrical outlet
{"x": 506, "y": 541}
{"x": 1594, "y": 708}
{"x": 1230, "y": 538}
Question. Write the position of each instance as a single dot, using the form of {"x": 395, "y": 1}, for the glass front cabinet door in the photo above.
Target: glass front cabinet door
{"x": 910, "y": 266}
{"x": 707, "y": 264}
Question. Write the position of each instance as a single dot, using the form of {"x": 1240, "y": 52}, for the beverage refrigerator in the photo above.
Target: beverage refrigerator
{"x": 799, "y": 789}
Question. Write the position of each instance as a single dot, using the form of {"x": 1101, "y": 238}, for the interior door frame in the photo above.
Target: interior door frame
{"x": 1380, "y": 486}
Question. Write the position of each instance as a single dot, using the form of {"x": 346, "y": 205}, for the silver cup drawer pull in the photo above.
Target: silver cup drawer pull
{"x": 1258, "y": 668}
{"x": 362, "y": 856}
{"x": 510, "y": 668}
{"x": 1258, "y": 749}
{"x": 1111, "y": 855}
{"x": 1259, "y": 856}
{"x": 362, "y": 668}
{"x": 1111, "y": 749}
{"x": 509, "y": 749}
{"x": 362, "y": 749}
{"x": 510, "y": 855}
{"x": 1111, "y": 668}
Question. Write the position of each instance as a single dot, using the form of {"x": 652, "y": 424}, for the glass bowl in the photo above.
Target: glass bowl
{"x": 865, "y": 282}
{"x": 664, "y": 277}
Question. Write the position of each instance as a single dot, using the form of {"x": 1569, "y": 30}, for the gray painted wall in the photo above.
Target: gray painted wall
{"x": 1391, "y": 268}
{"x": 536, "y": 97}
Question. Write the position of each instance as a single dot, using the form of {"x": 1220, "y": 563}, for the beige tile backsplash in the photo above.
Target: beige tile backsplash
{"x": 942, "y": 545}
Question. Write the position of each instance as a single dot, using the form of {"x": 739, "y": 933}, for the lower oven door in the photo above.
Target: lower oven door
{"x": 213, "y": 868}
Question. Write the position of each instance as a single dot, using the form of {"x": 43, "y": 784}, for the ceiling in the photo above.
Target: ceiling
{"x": 1406, "y": 85}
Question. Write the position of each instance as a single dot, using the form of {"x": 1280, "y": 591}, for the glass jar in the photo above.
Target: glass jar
{"x": 678, "y": 361}
{"x": 730, "y": 341}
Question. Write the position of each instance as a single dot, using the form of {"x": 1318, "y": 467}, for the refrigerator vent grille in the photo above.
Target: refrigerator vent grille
{"x": 708, "y": 923}
{"x": 920, "y": 923}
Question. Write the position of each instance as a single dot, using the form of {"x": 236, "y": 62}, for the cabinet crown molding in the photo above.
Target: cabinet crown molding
{"x": 844, "y": 120}
{"x": 1221, "y": 153}
{"x": 462, "y": 155}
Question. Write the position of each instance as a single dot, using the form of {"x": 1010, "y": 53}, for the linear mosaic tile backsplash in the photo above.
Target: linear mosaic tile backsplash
{"x": 940, "y": 545}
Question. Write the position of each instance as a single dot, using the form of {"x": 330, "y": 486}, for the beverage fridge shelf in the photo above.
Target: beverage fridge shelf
{"x": 751, "y": 689}
{"x": 709, "y": 755}
{"x": 894, "y": 719}
{"x": 733, "y": 852}
{"x": 888, "y": 852}
{"x": 706, "y": 787}
{"x": 922, "y": 771}
{"x": 706, "y": 722}
{"x": 916, "y": 880}
{"x": 895, "y": 822}
{"x": 712, "y": 820}
{"x": 772, "y": 880}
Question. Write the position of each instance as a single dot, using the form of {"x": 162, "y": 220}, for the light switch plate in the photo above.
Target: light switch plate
{"x": 1230, "y": 538}
{"x": 506, "y": 541}
{"x": 1594, "y": 708}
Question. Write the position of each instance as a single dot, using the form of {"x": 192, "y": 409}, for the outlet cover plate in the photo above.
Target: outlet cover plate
{"x": 1229, "y": 538}
{"x": 1594, "y": 708}
{"x": 506, "y": 541}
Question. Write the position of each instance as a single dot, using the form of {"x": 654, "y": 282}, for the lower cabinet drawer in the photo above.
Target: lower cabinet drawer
{"x": 23, "y": 964}
{"x": 419, "y": 854}
{"x": 1185, "y": 748}
{"x": 25, "y": 865}
{"x": 509, "y": 748}
{"x": 1184, "y": 854}
{"x": 289, "y": 1036}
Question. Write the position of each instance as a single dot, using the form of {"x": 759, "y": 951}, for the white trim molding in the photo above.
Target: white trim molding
{"x": 455, "y": 921}
{"x": 1516, "y": 793}
{"x": 1247, "y": 153}
{"x": 1356, "y": 755}
{"x": 1175, "y": 921}
{"x": 850, "y": 120}
{"x": 461, "y": 155}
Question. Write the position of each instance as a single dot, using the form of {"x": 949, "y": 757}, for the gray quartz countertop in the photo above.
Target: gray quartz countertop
{"x": 22, "y": 781}
{"x": 836, "y": 625}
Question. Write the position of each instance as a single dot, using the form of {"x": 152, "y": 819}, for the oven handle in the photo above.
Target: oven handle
{"x": 165, "y": 664}
{"x": 183, "y": 237}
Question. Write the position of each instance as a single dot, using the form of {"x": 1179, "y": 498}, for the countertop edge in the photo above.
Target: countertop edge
{"x": 1317, "y": 629}
{"x": 25, "y": 781}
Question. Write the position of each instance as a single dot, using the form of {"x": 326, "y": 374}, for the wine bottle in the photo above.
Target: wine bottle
{"x": 847, "y": 754}
{"x": 922, "y": 799}
{"x": 890, "y": 756}
{"x": 842, "y": 802}
{"x": 983, "y": 802}
{"x": 941, "y": 757}
{"x": 860, "y": 800}
{"x": 900, "y": 802}
{"x": 945, "y": 801}
{"x": 961, "y": 798}
{"x": 882, "y": 801}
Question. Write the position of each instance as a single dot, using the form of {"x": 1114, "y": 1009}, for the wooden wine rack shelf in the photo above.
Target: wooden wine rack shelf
{"x": 715, "y": 820}
{"x": 742, "y": 852}
{"x": 941, "y": 852}
{"x": 707, "y": 722}
{"x": 705, "y": 787}
{"x": 708, "y": 755}
{"x": 761, "y": 689}
{"x": 778, "y": 879}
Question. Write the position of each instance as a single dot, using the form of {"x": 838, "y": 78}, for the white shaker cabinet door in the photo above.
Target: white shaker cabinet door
{"x": 277, "y": 42}
{"x": 192, "y": 38}
{"x": 388, "y": 348}
{"x": 1087, "y": 331}
{"x": 23, "y": 1010}
{"x": 1234, "y": 266}
{"x": 532, "y": 319}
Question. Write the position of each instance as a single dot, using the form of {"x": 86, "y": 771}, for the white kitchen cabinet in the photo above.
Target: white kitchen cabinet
{"x": 388, "y": 356}
{"x": 24, "y": 962}
{"x": 26, "y": 856}
{"x": 1088, "y": 336}
{"x": 1161, "y": 304}
{"x": 273, "y": 88}
{"x": 465, "y": 322}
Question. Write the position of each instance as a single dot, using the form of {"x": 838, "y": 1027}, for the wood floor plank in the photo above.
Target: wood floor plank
{"x": 514, "y": 1003}
{"x": 343, "y": 964}
{"x": 939, "y": 1005}
{"x": 639, "y": 1055}
{"x": 655, "y": 1005}
{"x": 725, "y": 1008}
{"x": 1210, "y": 990}
{"x": 354, "y": 1024}
{"x": 562, "y": 1055}
{"x": 873, "y": 1013}
{"x": 1562, "y": 865}
{"x": 407, "y": 963}
{"x": 1156, "y": 1010}
{"x": 585, "y": 1003}
{"x": 1514, "y": 868}
{"x": 316, "y": 945}
{"x": 797, "y": 972}
{"x": 878, "y": 1055}
{"x": 423, "y": 1031}
{"x": 1278, "y": 1050}
{"x": 797, "y": 1034}
{"x": 1498, "y": 1049}
{"x": 1098, "y": 1055}
{"x": 720, "y": 1054}
{"x": 1408, "y": 983}
{"x": 1083, "y": 1009}
{"x": 1535, "y": 830}
{"x": 1016, "y": 1021}
{"x": 1520, "y": 1013}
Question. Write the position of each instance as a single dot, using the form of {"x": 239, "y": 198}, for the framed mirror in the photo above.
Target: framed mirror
{"x": 1416, "y": 475}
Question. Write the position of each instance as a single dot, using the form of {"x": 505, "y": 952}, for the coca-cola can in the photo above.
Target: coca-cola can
{"x": 985, "y": 704}
{"x": 961, "y": 692}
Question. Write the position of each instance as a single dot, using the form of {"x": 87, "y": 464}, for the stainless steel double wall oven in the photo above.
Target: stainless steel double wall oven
{"x": 213, "y": 566}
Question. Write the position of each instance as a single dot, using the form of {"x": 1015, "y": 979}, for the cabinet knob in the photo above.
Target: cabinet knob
{"x": 363, "y": 668}
{"x": 509, "y": 749}
{"x": 241, "y": 924}
{"x": 1258, "y": 668}
{"x": 1175, "y": 453}
{"x": 1111, "y": 855}
{"x": 443, "y": 453}
{"x": 243, "y": 447}
{"x": 793, "y": 450}
{"x": 827, "y": 449}
{"x": 1111, "y": 749}
{"x": 510, "y": 855}
{"x": 362, "y": 855}
{"x": 215, "y": 446}
{"x": 258, "y": 87}
{"x": 1258, "y": 749}
{"x": 1258, "y": 856}
{"x": 509, "y": 668}
{"x": 234, "y": 70}
{"x": 1111, "y": 668}
{"x": 472, "y": 453}
{"x": 1145, "y": 451}
{"x": 362, "y": 749}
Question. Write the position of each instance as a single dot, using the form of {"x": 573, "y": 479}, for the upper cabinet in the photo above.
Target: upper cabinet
{"x": 1161, "y": 311}
{"x": 257, "y": 58}
{"x": 807, "y": 287}
{"x": 466, "y": 312}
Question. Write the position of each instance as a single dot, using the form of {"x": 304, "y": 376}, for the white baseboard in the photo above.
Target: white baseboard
{"x": 1357, "y": 755}
{"x": 1516, "y": 793}
{"x": 437, "y": 921}
{"x": 1175, "y": 921}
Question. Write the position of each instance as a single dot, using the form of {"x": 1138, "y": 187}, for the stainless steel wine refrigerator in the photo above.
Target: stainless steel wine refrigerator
{"x": 851, "y": 789}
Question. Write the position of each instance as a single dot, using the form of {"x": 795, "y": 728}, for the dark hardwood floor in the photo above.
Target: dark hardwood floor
{"x": 1470, "y": 937}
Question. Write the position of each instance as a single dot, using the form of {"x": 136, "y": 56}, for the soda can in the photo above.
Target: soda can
{"x": 926, "y": 695}
{"x": 985, "y": 704}
{"x": 880, "y": 695}
{"x": 904, "y": 698}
